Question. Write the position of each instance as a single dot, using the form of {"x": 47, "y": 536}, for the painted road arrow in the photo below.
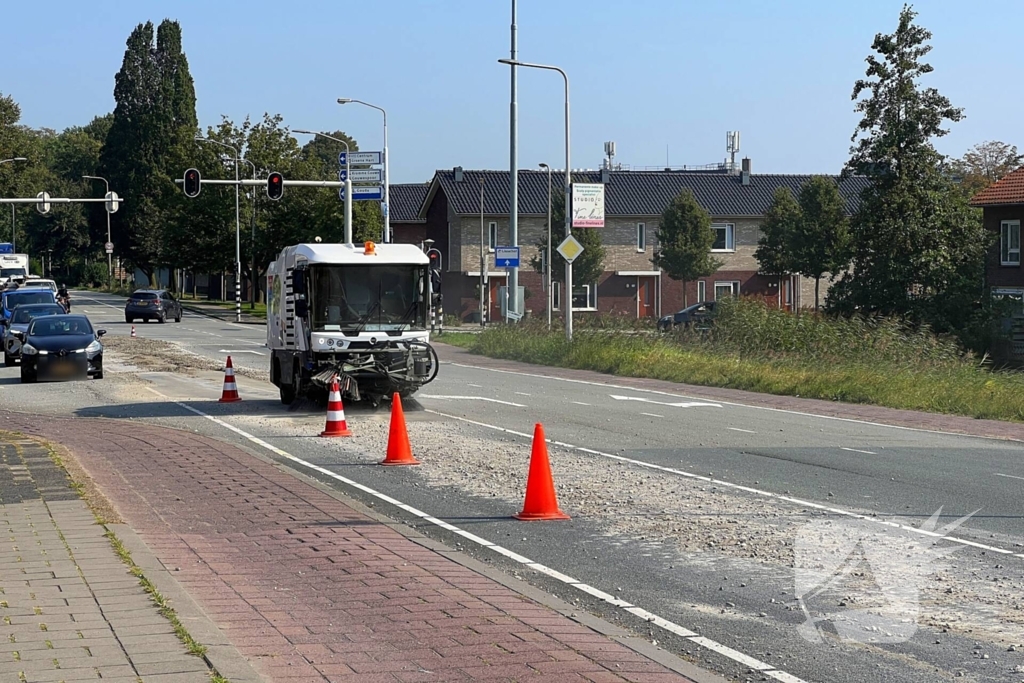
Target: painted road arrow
{"x": 688, "y": 404}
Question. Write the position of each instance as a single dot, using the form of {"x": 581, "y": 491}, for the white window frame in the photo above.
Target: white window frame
{"x": 591, "y": 298}
{"x": 641, "y": 238}
{"x": 730, "y": 237}
{"x": 492, "y": 236}
{"x": 1008, "y": 255}
{"x": 734, "y": 287}
{"x": 701, "y": 291}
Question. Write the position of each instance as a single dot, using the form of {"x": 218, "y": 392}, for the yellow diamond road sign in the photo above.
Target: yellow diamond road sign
{"x": 570, "y": 248}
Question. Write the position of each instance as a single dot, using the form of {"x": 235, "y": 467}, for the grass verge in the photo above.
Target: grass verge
{"x": 866, "y": 363}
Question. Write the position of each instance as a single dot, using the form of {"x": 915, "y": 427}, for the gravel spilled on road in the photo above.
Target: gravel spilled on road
{"x": 746, "y": 536}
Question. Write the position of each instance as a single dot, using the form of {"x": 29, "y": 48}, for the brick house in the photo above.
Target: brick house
{"x": 463, "y": 209}
{"x": 1002, "y": 204}
{"x": 406, "y": 225}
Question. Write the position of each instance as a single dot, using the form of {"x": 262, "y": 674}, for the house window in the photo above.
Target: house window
{"x": 1009, "y": 243}
{"x": 724, "y": 290}
{"x": 724, "y": 238}
{"x": 701, "y": 291}
{"x": 584, "y": 298}
{"x": 492, "y": 236}
{"x": 641, "y": 237}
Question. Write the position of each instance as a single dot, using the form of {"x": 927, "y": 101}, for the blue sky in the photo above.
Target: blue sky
{"x": 652, "y": 75}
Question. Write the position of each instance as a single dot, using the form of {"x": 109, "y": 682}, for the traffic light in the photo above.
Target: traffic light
{"x": 275, "y": 186}
{"x": 435, "y": 270}
{"x": 193, "y": 182}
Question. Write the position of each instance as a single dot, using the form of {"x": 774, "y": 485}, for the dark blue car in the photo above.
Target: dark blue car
{"x": 12, "y": 298}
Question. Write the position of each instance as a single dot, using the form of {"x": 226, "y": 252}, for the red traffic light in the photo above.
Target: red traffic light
{"x": 275, "y": 185}
{"x": 193, "y": 182}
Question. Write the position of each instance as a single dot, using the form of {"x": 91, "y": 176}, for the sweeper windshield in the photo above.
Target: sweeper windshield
{"x": 372, "y": 298}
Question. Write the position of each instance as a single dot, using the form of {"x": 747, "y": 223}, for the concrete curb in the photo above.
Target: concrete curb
{"x": 220, "y": 653}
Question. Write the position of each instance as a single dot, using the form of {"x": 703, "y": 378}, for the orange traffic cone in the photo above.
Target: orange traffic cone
{"x": 133, "y": 330}
{"x": 230, "y": 393}
{"x": 540, "y": 502}
{"x": 336, "y": 424}
{"x": 399, "y": 451}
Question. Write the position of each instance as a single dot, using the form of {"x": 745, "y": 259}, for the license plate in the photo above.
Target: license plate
{"x": 63, "y": 369}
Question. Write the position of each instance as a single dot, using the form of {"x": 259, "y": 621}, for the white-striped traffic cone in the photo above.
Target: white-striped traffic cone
{"x": 133, "y": 330}
{"x": 336, "y": 424}
{"x": 230, "y": 393}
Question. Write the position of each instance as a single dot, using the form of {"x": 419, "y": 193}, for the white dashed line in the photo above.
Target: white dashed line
{"x": 650, "y": 617}
{"x": 581, "y": 403}
{"x": 652, "y": 415}
{"x": 471, "y": 398}
{"x": 745, "y": 431}
{"x": 1008, "y": 476}
{"x": 855, "y": 450}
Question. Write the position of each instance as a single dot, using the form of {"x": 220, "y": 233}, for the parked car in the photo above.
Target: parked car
{"x": 40, "y": 282}
{"x": 698, "y": 313}
{"x": 152, "y": 304}
{"x": 56, "y": 347}
{"x": 17, "y": 296}
{"x": 20, "y": 319}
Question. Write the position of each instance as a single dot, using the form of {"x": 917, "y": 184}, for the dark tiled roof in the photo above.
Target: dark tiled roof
{"x": 631, "y": 193}
{"x": 1007, "y": 190}
{"x": 406, "y": 200}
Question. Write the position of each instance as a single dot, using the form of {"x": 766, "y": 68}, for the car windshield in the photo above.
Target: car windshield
{"x": 59, "y": 325}
{"x": 24, "y": 315}
{"x": 13, "y": 299}
{"x": 145, "y": 295}
{"x": 12, "y": 272}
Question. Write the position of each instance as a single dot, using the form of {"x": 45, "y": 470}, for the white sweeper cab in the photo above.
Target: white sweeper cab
{"x": 358, "y": 312}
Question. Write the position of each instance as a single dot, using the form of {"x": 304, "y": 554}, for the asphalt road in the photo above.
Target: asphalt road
{"x": 792, "y": 460}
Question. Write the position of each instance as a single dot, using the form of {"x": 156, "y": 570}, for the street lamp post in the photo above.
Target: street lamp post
{"x": 386, "y": 206}
{"x": 483, "y": 261}
{"x": 14, "y": 236}
{"x": 547, "y": 261}
{"x": 348, "y": 181}
{"x": 110, "y": 264}
{"x": 238, "y": 231}
{"x": 568, "y": 187}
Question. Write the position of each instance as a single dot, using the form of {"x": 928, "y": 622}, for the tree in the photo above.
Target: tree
{"x": 917, "y": 247}
{"x": 588, "y": 266}
{"x": 775, "y": 246}
{"x": 149, "y": 142}
{"x": 685, "y": 238}
{"x": 822, "y": 239}
{"x": 985, "y": 163}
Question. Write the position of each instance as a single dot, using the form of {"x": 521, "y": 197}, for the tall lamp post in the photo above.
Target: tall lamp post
{"x": 547, "y": 261}
{"x": 568, "y": 186}
{"x": 348, "y": 180}
{"x": 386, "y": 206}
{"x": 110, "y": 264}
{"x": 238, "y": 231}
{"x": 14, "y": 236}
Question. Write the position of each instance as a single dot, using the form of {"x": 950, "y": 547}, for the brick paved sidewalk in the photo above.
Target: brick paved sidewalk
{"x": 70, "y": 609}
{"x": 310, "y": 589}
{"x": 955, "y": 424}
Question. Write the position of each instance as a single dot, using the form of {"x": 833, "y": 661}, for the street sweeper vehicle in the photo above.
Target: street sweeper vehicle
{"x": 358, "y": 312}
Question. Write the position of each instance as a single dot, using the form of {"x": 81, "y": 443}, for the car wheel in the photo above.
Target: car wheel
{"x": 177, "y": 318}
{"x": 129, "y": 320}
{"x": 161, "y": 319}
{"x": 98, "y": 375}
{"x": 287, "y": 392}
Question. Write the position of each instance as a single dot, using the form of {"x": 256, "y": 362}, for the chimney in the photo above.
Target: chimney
{"x": 458, "y": 174}
{"x": 745, "y": 172}
{"x": 606, "y": 175}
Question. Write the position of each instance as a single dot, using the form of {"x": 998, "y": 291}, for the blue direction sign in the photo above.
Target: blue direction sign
{"x": 358, "y": 158}
{"x": 506, "y": 257}
{"x": 362, "y": 175}
{"x": 364, "y": 193}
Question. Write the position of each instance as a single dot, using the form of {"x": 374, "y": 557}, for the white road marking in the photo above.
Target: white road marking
{"x": 740, "y": 487}
{"x": 650, "y": 617}
{"x": 258, "y": 353}
{"x": 472, "y": 398}
{"x": 581, "y": 403}
{"x": 746, "y": 431}
{"x": 652, "y": 415}
{"x": 855, "y": 450}
{"x": 688, "y": 404}
{"x": 520, "y": 393}
{"x": 476, "y": 386}
{"x": 606, "y": 385}
{"x": 1008, "y": 476}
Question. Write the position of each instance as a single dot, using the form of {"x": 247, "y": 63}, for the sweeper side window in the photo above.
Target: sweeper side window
{"x": 348, "y": 298}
